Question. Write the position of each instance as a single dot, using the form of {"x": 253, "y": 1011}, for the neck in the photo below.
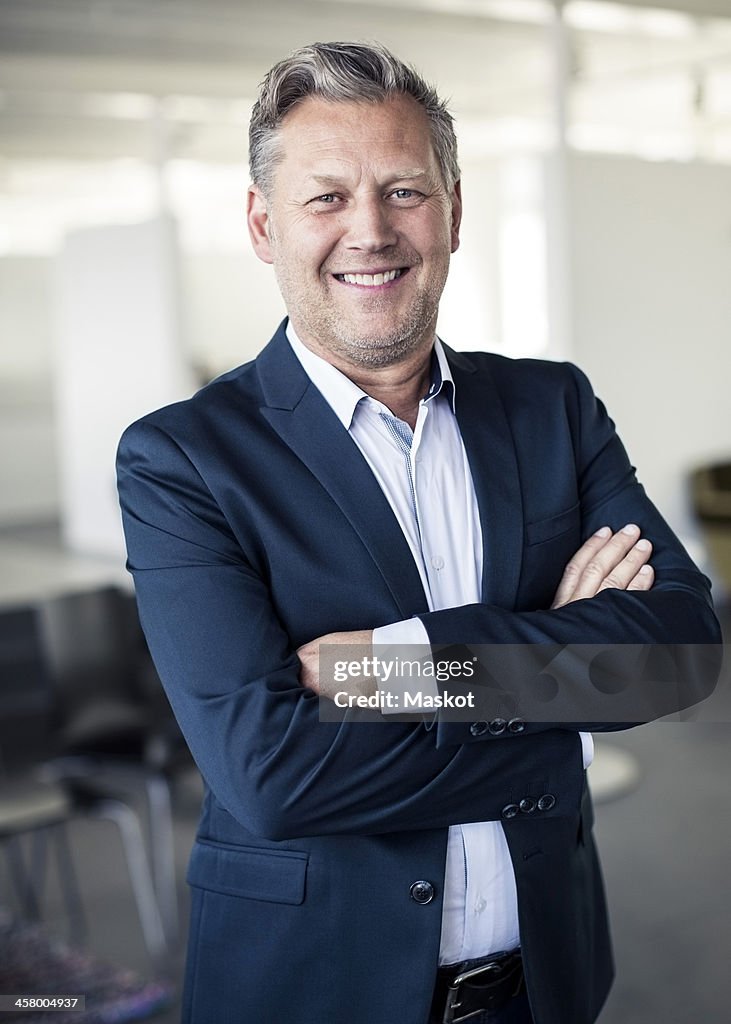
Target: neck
{"x": 399, "y": 386}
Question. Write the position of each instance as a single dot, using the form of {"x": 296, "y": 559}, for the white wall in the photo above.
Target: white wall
{"x": 231, "y": 306}
{"x": 651, "y": 268}
{"x": 28, "y": 475}
{"x": 470, "y": 310}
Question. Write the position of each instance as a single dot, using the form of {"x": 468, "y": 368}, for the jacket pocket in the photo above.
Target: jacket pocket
{"x": 554, "y": 526}
{"x": 276, "y": 876}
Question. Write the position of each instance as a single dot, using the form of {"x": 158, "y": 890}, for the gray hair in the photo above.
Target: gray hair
{"x": 360, "y": 72}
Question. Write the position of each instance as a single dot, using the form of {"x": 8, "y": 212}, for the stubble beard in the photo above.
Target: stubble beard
{"x": 325, "y": 324}
{"x": 385, "y": 348}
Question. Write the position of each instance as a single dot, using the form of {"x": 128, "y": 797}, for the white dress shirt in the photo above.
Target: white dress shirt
{"x": 426, "y": 478}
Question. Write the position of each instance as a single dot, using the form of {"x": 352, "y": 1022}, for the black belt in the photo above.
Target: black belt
{"x": 464, "y": 990}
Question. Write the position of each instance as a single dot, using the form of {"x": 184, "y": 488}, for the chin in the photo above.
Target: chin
{"x": 377, "y": 351}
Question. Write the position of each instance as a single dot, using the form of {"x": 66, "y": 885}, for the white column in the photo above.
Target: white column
{"x": 560, "y": 312}
{"x": 118, "y": 356}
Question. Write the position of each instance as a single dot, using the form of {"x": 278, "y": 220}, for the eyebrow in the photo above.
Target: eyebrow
{"x": 407, "y": 174}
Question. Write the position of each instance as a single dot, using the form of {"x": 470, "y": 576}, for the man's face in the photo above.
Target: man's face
{"x": 359, "y": 227}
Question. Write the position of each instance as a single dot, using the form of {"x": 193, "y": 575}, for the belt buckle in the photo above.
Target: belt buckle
{"x": 453, "y": 1001}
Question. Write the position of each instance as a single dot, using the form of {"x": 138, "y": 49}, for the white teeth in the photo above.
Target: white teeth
{"x": 371, "y": 280}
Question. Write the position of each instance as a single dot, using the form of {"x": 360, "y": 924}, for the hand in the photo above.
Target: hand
{"x": 607, "y": 561}
{"x": 309, "y": 656}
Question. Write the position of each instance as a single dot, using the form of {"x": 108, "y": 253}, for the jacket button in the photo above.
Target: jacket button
{"x": 527, "y": 805}
{"x": 509, "y": 811}
{"x": 546, "y": 802}
{"x": 516, "y": 725}
{"x": 497, "y": 726}
{"x": 422, "y": 892}
{"x": 478, "y": 728}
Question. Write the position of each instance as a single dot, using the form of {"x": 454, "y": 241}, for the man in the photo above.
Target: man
{"x": 360, "y": 483}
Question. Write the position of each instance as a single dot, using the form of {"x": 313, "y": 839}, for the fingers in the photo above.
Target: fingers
{"x": 632, "y": 553}
{"x": 574, "y": 569}
{"x": 606, "y": 560}
{"x": 643, "y": 580}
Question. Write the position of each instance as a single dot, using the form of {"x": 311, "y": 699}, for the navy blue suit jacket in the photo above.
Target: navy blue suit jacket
{"x": 253, "y": 525}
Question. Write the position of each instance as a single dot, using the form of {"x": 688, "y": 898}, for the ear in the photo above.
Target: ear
{"x": 257, "y": 220}
{"x": 456, "y": 214}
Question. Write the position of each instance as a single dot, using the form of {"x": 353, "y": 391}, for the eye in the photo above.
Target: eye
{"x": 327, "y": 199}
{"x": 406, "y": 196}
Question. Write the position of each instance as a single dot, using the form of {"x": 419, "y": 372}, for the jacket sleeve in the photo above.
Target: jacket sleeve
{"x": 668, "y": 635}
{"x": 231, "y": 675}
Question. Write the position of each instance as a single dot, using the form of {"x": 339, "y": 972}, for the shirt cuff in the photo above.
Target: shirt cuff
{"x": 587, "y": 748}
{"x": 388, "y": 645}
{"x": 408, "y": 631}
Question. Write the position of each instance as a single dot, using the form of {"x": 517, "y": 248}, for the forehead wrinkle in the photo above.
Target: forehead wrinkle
{"x": 407, "y": 174}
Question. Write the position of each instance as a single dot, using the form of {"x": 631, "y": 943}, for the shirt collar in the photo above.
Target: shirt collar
{"x": 343, "y": 396}
{"x": 441, "y": 375}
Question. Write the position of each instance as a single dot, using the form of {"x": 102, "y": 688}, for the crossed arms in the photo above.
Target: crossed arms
{"x": 605, "y": 561}
{"x": 222, "y": 638}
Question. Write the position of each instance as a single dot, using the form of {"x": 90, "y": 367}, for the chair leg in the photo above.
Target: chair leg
{"x": 66, "y": 874}
{"x": 139, "y": 872}
{"x": 30, "y": 881}
{"x": 25, "y": 890}
{"x": 162, "y": 852}
{"x": 69, "y": 879}
{"x": 38, "y": 862}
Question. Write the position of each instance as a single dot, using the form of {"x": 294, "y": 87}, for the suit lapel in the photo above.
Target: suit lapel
{"x": 306, "y": 423}
{"x": 492, "y": 458}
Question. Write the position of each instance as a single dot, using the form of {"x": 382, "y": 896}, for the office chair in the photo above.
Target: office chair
{"x": 114, "y": 721}
{"x": 42, "y": 808}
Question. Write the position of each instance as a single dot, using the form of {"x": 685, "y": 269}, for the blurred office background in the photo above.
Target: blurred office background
{"x": 595, "y": 142}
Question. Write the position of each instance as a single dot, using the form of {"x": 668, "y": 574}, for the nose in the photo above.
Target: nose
{"x": 370, "y": 225}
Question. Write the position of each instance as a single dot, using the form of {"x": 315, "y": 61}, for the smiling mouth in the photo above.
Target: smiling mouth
{"x": 372, "y": 280}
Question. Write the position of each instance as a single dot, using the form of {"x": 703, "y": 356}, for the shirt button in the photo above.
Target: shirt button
{"x": 480, "y": 906}
{"x": 437, "y": 562}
